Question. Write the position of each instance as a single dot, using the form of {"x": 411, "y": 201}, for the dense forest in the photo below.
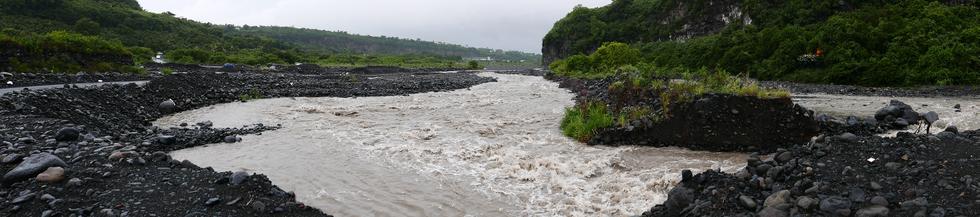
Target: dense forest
{"x": 873, "y": 43}
{"x": 125, "y": 24}
{"x": 342, "y": 42}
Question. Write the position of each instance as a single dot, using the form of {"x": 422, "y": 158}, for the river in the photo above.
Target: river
{"x": 491, "y": 150}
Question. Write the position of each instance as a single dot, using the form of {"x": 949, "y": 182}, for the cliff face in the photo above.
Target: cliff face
{"x": 630, "y": 21}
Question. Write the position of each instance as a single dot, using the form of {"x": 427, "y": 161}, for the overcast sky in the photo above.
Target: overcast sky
{"x": 500, "y": 24}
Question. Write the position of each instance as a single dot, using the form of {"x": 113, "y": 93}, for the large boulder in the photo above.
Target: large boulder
{"x": 168, "y": 106}
{"x": 31, "y": 166}
{"x": 67, "y": 134}
{"x": 895, "y": 110}
{"x": 678, "y": 199}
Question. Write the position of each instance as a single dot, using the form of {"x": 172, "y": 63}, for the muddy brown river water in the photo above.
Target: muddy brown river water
{"x": 491, "y": 150}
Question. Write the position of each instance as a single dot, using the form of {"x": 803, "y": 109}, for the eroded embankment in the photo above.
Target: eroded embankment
{"x": 493, "y": 149}
{"x": 843, "y": 174}
{"x": 114, "y": 164}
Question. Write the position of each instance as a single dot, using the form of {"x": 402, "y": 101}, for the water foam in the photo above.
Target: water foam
{"x": 497, "y": 145}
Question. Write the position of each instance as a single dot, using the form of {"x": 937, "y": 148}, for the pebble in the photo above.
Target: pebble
{"x": 872, "y": 211}
{"x": 26, "y": 140}
{"x": 258, "y": 206}
{"x": 47, "y": 213}
{"x": 917, "y": 202}
{"x": 238, "y": 178}
{"x": 952, "y": 129}
{"x": 118, "y": 155}
{"x": 166, "y": 140}
{"x": 901, "y": 123}
{"x": 747, "y": 202}
{"x": 22, "y": 198}
{"x": 875, "y": 186}
{"x": 772, "y": 212}
{"x": 33, "y": 165}
{"x": 879, "y": 200}
{"x": 232, "y": 139}
{"x": 67, "y": 134}
{"x": 11, "y": 158}
{"x": 74, "y": 182}
{"x": 893, "y": 165}
{"x": 51, "y": 175}
{"x": 848, "y": 137}
{"x": 212, "y": 201}
{"x": 938, "y": 212}
{"x": 806, "y": 202}
{"x": 778, "y": 198}
{"x": 47, "y": 197}
{"x": 834, "y": 204}
{"x": 784, "y": 157}
{"x": 856, "y": 195}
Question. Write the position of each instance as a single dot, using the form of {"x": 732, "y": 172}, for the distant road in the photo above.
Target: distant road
{"x": 4, "y": 91}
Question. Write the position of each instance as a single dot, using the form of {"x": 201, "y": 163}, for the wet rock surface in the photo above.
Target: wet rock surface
{"x": 111, "y": 162}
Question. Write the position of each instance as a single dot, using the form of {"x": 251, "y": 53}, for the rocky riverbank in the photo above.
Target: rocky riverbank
{"x": 14, "y": 80}
{"x": 928, "y": 91}
{"x": 91, "y": 151}
{"x": 154, "y": 70}
{"x": 846, "y": 171}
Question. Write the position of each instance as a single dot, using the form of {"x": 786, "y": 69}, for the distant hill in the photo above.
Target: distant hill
{"x": 126, "y": 22}
{"x": 874, "y": 43}
{"x": 342, "y": 42}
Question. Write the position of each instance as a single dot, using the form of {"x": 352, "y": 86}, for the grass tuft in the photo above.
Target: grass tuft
{"x": 582, "y": 122}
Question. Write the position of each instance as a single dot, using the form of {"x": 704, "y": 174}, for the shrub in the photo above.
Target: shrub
{"x": 167, "y": 71}
{"x": 473, "y": 65}
{"x": 582, "y": 122}
{"x": 251, "y": 95}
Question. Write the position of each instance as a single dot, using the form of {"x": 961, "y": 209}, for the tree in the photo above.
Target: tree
{"x": 473, "y": 65}
{"x": 87, "y": 26}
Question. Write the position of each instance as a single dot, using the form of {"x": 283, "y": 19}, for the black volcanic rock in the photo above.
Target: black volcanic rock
{"x": 707, "y": 123}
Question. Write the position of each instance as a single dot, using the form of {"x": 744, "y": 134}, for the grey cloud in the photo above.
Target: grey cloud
{"x": 501, "y": 24}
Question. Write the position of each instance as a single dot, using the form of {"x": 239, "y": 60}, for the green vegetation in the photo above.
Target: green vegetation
{"x": 337, "y": 42}
{"x": 873, "y": 43}
{"x": 63, "y": 51}
{"x": 604, "y": 62}
{"x": 167, "y": 71}
{"x": 406, "y": 61}
{"x": 582, "y": 122}
{"x": 252, "y": 94}
{"x": 473, "y": 64}
{"x": 125, "y": 23}
{"x": 669, "y": 87}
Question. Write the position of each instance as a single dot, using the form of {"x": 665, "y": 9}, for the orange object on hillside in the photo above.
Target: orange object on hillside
{"x": 819, "y": 52}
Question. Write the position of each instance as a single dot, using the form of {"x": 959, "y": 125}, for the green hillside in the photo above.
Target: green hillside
{"x": 874, "y": 43}
{"x": 126, "y": 24}
{"x": 342, "y": 42}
